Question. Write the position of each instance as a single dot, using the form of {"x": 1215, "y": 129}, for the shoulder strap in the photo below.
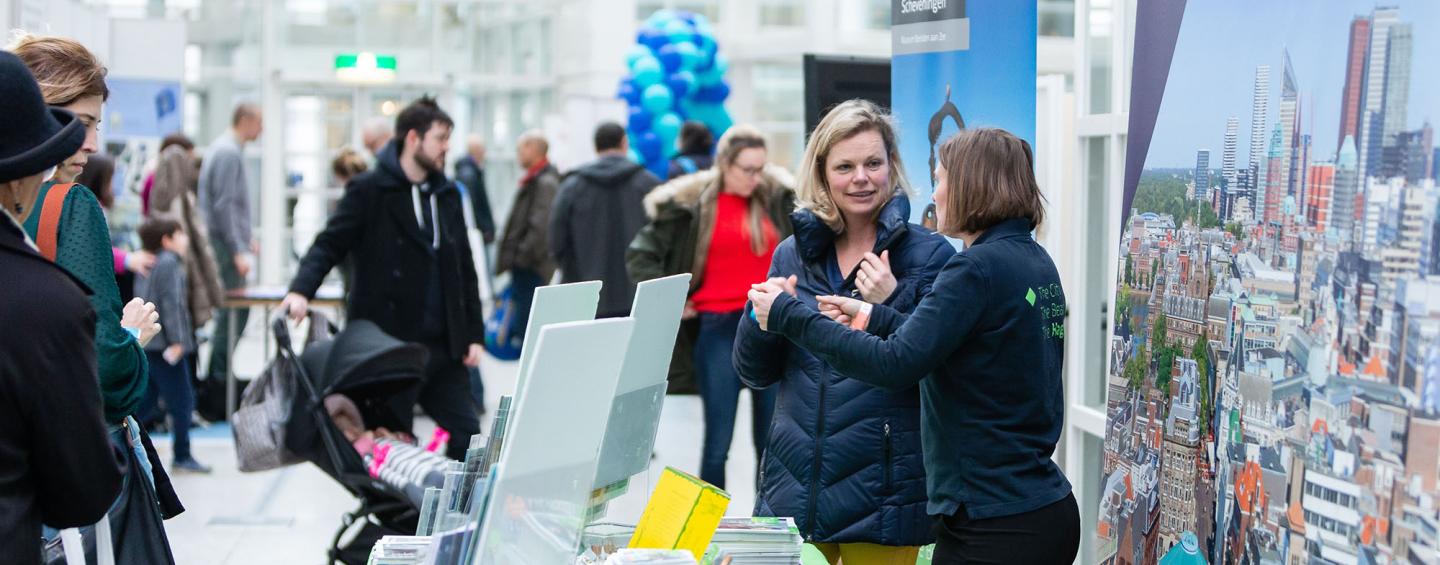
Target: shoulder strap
{"x": 48, "y": 237}
{"x": 687, "y": 164}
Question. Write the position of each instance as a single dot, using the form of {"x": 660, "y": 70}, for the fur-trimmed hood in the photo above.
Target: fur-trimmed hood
{"x": 685, "y": 192}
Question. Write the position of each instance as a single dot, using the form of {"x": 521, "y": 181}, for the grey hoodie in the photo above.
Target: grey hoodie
{"x": 599, "y": 209}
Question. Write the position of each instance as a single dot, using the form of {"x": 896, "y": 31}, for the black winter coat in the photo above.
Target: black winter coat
{"x": 376, "y": 227}
{"x": 472, "y": 175}
{"x": 56, "y": 460}
{"x": 599, "y": 209}
{"x": 844, "y": 457}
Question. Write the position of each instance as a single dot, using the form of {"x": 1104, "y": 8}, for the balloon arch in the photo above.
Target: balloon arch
{"x": 676, "y": 74}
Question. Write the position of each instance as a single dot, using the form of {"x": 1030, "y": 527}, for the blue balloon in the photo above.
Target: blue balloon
{"x": 652, "y": 38}
{"x": 657, "y": 99}
{"x": 628, "y": 92}
{"x": 716, "y": 73}
{"x": 649, "y": 146}
{"x": 670, "y": 57}
{"x": 690, "y": 55}
{"x": 668, "y": 128}
{"x": 658, "y": 18}
{"x": 679, "y": 30}
{"x": 713, "y": 93}
{"x": 634, "y": 156}
{"x": 648, "y": 72}
{"x": 635, "y": 53}
{"x": 659, "y": 167}
{"x": 681, "y": 84}
{"x": 639, "y": 120}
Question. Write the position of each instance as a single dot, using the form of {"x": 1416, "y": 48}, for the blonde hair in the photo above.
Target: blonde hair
{"x": 65, "y": 69}
{"x": 844, "y": 121}
{"x": 347, "y": 164}
{"x": 990, "y": 177}
{"x": 736, "y": 139}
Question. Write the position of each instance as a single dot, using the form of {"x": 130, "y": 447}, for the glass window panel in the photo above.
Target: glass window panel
{"x": 317, "y": 22}
{"x": 779, "y": 92}
{"x": 643, "y": 8}
{"x": 1092, "y": 454}
{"x": 710, "y": 9}
{"x": 878, "y": 14}
{"x": 781, "y": 13}
{"x": 1097, "y": 271}
{"x": 1100, "y": 26}
{"x": 1057, "y": 18}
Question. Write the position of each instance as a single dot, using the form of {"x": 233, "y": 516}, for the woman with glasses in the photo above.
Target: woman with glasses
{"x": 721, "y": 226}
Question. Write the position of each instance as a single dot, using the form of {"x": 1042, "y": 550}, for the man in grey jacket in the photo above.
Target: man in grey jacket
{"x": 598, "y": 210}
{"x": 225, "y": 203}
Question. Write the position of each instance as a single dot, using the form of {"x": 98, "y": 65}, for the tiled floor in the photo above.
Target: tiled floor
{"x": 289, "y": 516}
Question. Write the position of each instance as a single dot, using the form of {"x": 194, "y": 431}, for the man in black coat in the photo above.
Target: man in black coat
{"x": 56, "y": 462}
{"x": 403, "y": 228}
{"x": 598, "y": 210}
{"x": 470, "y": 171}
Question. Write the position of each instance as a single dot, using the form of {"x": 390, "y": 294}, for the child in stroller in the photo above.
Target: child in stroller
{"x": 391, "y": 457}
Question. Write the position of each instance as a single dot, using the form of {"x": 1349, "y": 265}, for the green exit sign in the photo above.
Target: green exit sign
{"x": 365, "y": 67}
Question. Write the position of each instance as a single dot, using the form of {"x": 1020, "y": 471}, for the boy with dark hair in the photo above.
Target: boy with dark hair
{"x": 402, "y": 226}
{"x": 169, "y": 371}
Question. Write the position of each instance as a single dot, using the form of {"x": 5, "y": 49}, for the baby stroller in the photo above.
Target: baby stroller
{"x": 368, "y": 366}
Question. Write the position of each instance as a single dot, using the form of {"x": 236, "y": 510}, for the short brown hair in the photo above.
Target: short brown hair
{"x": 990, "y": 174}
{"x": 176, "y": 138}
{"x": 152, "y": 233}
{"x": 65, "y": 69}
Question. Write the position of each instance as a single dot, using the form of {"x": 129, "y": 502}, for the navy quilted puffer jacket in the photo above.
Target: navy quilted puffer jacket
{"x": 844, "y": 458}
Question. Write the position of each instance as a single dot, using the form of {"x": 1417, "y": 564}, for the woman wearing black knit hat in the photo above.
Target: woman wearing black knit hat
{"x": 57, "y": 465}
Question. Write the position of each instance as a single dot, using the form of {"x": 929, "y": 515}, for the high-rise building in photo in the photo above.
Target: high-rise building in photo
{"x": 1274, "y": 190}
{"x": 1202, "y": 175}
{"x": 1227, "y": 159}
{"x": 1259, "y": 114}
{"x": 1354, "y": 90}
{"x": 1347, "y": 186}
{"x": 1397, "y": 82}
{"x": 1289, "y": 124}
{"x": 1372, "y": 104}
{"x": 1319, "y": 190}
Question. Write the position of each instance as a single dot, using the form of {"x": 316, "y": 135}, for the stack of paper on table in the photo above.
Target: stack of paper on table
{"x": 651, "y": 557}
{"x": 755, "y": 541}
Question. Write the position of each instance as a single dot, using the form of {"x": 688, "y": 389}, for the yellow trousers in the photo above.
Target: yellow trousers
{"x": 868, "y": 554}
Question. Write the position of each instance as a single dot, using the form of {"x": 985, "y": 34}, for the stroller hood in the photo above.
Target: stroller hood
{"x": 368, "y": 366}
{"x": 364, "y": 363}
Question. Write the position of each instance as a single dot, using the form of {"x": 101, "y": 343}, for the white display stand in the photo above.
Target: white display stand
{"x": 555, "y": 304}
{"x": 640, "y": 396}
{"x": 540, "y": 494}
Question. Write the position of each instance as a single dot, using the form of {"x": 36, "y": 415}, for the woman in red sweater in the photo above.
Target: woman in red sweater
{"x": 722, "y": 226}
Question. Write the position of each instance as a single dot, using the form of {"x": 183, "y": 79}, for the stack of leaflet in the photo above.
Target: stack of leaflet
{"x": 755, "y": 541}
{"x": 651, "y": 557}
{"x": 400, "y": 550}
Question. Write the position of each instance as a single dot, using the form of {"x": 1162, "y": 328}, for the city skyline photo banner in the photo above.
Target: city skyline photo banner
{"x": 1273, "y": 383}
{"x": 956, "y": 65}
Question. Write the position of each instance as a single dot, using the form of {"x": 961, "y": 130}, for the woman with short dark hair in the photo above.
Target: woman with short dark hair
{"x": 986, "y": 347}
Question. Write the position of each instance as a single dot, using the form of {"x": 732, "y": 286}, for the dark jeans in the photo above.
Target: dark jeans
{"x": 477, "y": 389}
{"x": 720, "y": 395}
{"x": 1048, "y": 535}
{"x": 171, "y": 382}
{"x": 220, "y": 344}
{"x": 445, "y": 396}
{"x": 523, "y": 283}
